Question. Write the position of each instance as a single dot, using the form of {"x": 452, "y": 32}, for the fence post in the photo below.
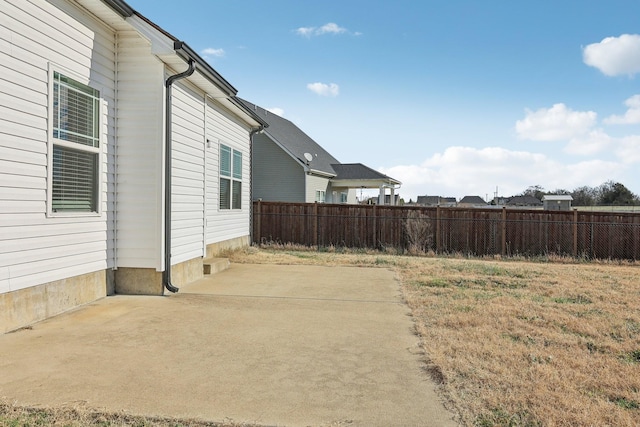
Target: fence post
{"x": 375, "y": 226}
{"x": 315, "y": 224}
{"x": 575, "y": 232}
{"x": 257, "y": 237}
{"x": 438, "y": 229}
{"x": 504, "y": 230}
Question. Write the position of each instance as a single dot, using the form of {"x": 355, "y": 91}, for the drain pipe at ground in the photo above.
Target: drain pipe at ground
{"x": 166, "y": 275}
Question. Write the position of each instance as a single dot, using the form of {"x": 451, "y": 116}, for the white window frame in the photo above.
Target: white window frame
{"x": 53, "y": 142}
{"x": 234, "y": 177}
{"x": 321, "y": 196}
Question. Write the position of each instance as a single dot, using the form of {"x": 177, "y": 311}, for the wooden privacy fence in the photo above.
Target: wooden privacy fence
{"x": 474, "y": 231}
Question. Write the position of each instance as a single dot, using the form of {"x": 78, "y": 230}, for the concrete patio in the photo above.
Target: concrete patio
{"x": 265, "y": 344}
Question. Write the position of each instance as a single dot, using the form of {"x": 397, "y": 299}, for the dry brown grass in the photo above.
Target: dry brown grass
{"x": 516, "y": 343}
{"x": 79, "y": 416}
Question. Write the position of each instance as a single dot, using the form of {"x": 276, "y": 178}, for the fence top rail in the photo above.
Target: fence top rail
{"x": 456, "y": 210}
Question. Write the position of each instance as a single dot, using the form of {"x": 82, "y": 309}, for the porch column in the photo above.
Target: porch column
{"x": 392, "y": 200}
{"x": 381, "y": 196}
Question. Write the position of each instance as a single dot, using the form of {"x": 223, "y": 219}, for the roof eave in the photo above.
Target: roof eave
{"x": 186, "y": 53}
{"x": 120, "y": 7}
{"x": 364, "y": 183}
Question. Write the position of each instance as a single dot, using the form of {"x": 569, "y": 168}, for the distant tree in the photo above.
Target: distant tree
{"x": 560, "y": 191}
{"x": 616, "y": 194}
{"x": 584, "y": 196}
{"x": 535, "y": 191}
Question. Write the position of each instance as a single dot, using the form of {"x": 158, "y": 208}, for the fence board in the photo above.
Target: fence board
{"x": 473, "y": 231}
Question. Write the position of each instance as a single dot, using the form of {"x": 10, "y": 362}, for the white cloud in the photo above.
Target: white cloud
{"x": 628, "y": 149}
{"x": 632, "y": 115}
{"x": 305, "y": 31}
{"x": 208, "y": 52}
{"x": 594, "y": 142}
{"x": 555, "y": 124}
{"x": 460, "y": 171}
{"x": 331, "y": 28}
{"x": 324, "y": 89}
{"x": 614, "y": 56}
{"x": 277, "y": 111}
{"x": 328, "y": 28}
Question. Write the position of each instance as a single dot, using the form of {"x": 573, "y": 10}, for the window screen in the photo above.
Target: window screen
{"x": 76, "y": 139}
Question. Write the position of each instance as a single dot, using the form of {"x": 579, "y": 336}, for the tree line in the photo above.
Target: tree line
{"x": 609, "y": 193}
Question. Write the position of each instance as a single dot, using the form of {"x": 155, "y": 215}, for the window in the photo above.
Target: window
{"x": 320, "y": 196}
{"x": 76, "y": 146}
{"x": 230, "y": 178}
{"x": 344, "y": 197}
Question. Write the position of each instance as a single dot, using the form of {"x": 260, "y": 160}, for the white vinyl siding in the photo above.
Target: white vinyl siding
{"x": 140, "y": 209}
{"x": 314, "y": 184}
{"x": 187, "y": 231}
{"x": 34, "y": 248}
{"x": 224, "y": 128}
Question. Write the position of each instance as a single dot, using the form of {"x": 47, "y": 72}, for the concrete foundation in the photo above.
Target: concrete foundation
{"x": 26, "y": 306}
{"x": 138, "y": 281}
{"x": 215, "y": 249}
{"x": 186, "y": 272}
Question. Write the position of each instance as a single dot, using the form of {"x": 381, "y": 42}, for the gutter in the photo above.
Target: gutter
{"x": 166, "y": 275}
{"x": 120, "y": 7}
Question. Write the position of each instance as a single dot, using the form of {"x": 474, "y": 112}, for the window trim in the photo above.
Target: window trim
{"x": 232, "y": 177}
{"x": 323, "y": 195}
{"x": 52, "y": 142}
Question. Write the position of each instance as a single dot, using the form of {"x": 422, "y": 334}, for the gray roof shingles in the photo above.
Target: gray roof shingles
{"x": 358, "y": 171}
{"x": 294, "y": 140}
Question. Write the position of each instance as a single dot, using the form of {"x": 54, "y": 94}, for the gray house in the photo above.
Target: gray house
{"x": 289, "y": 166}
{"x": 524, "y": 201}
{"x": 472, "y": 202}
{"x": 436, "y": 201}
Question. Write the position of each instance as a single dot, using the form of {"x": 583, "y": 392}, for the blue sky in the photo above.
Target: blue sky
{"x": 452, "y": 97}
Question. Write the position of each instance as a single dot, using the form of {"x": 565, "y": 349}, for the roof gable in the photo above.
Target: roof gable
{"x": 476, "y": 200}
{"x": 292, "y": 139}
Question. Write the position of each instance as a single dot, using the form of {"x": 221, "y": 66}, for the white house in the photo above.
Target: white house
{"x": 92, "y": 98}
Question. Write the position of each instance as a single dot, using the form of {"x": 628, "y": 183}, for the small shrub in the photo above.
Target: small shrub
{"x": 419, "y": 232}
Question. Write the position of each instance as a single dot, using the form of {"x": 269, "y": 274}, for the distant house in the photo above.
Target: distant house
{"x": 289, "y": 166}
{"x": 557, "y": 202}
{"x": 123, "y": 156}
{"x": 436, "y": 201}
{"x": 523, "y": 201}
{"x": 472, "y": 202}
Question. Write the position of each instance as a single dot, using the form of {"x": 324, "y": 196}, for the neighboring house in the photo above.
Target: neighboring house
{"x": 92, "y": 98}
{"x": 472, "y": 202}
{"x": 557, "y": 202}
{"x": 289, "y": 166}
{"x": 524, "y": 201}
{"x": 436, "y": 201}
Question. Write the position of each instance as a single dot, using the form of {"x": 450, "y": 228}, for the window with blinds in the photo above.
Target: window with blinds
{"x": 230, "y": 178}
{"x": 76, "y": 143}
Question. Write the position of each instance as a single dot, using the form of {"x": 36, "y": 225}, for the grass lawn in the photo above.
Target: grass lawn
{"x": 516, "y": 343}
{"x": 510, "y": 343}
